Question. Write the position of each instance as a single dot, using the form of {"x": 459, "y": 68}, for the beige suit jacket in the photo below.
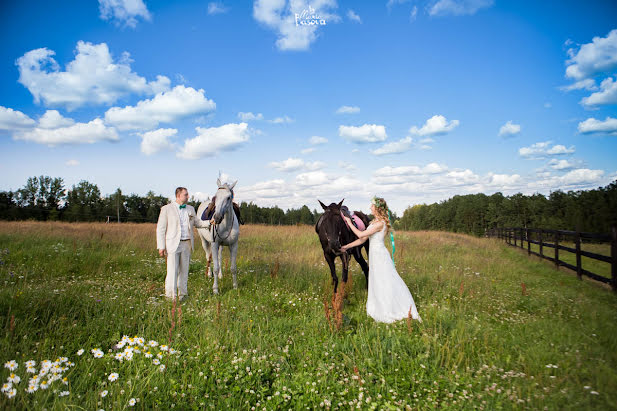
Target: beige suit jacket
{"x": 168, "y": 228}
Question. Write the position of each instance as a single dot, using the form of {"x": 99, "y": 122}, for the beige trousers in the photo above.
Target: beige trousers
{"x": 178, "y": 271}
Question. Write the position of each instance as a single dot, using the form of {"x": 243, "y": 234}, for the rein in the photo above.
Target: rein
{"x": 233, "y": 215}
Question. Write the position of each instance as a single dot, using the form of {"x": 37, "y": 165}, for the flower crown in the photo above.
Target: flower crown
{"x": 376, "y": 202}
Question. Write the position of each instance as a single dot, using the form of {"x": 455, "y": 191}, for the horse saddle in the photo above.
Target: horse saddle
{"x": 209, "y": 212}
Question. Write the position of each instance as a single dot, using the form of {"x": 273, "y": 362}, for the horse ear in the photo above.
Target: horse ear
{"x": 218, "y": 182}
{"x": 322, "y": 205}
{"x": 233, "y": 185}
{"x": 341, "y": 203}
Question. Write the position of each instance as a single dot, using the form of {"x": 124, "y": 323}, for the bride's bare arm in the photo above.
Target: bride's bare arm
{"x": 373, "y": 228}
{"x": 354, "y": 243}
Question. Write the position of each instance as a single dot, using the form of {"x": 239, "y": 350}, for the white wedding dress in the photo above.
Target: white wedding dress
{"x": 389, "y": 298}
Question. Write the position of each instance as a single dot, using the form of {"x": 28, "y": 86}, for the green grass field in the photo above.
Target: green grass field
{"x": 483, "y": 343}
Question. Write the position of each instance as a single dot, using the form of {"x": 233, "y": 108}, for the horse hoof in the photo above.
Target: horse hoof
{"x": 235, "y": 286}
{"x": 215, "y": 291}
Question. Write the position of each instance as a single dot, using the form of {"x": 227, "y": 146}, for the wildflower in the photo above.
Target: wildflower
{"x": 152, "y": 343}
{"x": 6, "y": 386}
{"x": 156, "y": 361}
{"x": 97, "y": 353}
{"x": 11, "y": 365}
{"x": 594, "y": 392}
{"x": 30, "y": 363}
{"x": 104, "y": 393}
{"x": 148, "y": 354}
{"x": 119, "y": 356}
{"x": 63, "y": 394}
{"x": 132, "y": 402}
{"x": 44, "y": 385}
{"x": 162, "y": 368}
{"x": 164, "y": 347}
{"x": 31, "y": 370}
{"x": 11, "y": 393}
{"x": 113, "y": 376}
{"x": 80, "y": 352}
{"x": 14, "y": 379}
{"x": 32, "y": 388}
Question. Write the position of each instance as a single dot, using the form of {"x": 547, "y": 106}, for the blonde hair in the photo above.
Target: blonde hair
{"x": 382, "y": 212}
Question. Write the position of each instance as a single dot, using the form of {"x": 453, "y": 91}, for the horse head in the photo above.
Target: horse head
{"x": 223, "y": 199}
{"x": 331, "y": 225}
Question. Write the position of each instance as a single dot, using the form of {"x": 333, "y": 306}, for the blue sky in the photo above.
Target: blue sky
{"x": 415, "y": 101}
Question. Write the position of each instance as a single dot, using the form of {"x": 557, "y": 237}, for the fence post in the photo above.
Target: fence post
{"x": 528, "y": 243}
{"x": 521, "y": 231}
{"x": 514, "y": 235}
{"x": 540, "y": 241}
{"x": 614, "y": 259}
{"x": 556, "y": 249}
{"x": 579, "y": 268}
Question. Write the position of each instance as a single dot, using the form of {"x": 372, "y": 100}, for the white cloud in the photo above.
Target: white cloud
{"x": 367, "y": 133}
{"x": 77, "y": 133}
{"x": 585, "y": 84}
{"x": 458, "y": 7}
{"x": 296, "y": 164}
{"x": 351, "y": 15}
{"x": 307, "y": 150}
{"x": 544, "y": 149}
{"x": 503, "y": 180}
{"x": 435, "y": 125}
{"x": 591, "y": 125}
{"x": 575, "y": 179}
{"x": 91, "y": 78}
{"x": 249, "y": 116}
{"x": 281, "y": 120}
{"x": 606, "y": 95}
{"x": 413, "y": 14}
{"x": 165, "y": 107}
{"x": 346, "y": 166}
{"x": 316, "y": 140}
{"x": 599, "y": 56}
{"x": 72, "y": 163}
{"x": 210, "y": 141}
{"x": 285, "y": 17}
{"x": 431, "y": 168}
{"x": 157, "y": 140}
{"x": 562, "y": 164}
{"x": 395, "y": 147}
{"x": 124, "y": 12}
{"x": 217, "y": 8}
{"x": 53, "y": 119}
{"x": 13, "y": 119}
{"x": 348, "y": 110}
{"x": 392, "y": 3}
{"x": 509, "y": 129}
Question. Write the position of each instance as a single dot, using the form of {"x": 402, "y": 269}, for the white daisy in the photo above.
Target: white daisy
{"x": 164, "y": 347}
{"x": 32, "y": 388}
{"x": 11, "y": 393}
{"x": 63, "y": 394}
{"x": 104, "y": 393}
{"x": 156, "y": 361}
{"x": 80, "y": 352}
{"x": 113, "y": 376}
{"x": 152, "y": 343}
{"x": 119, "y": 356}
{"x": 148, "y": 354}
{"x": 132, "y": 402}
{"x": 11, "y": 365}
{"x": 6, "y": 386}
{"x": 44, "y": 385}
{"x": 30, "y": 363}
{"x": 14, "y": 379}
{"x": 162, "y": 368}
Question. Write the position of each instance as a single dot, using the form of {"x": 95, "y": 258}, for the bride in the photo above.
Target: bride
{"x": 389, "y": 298}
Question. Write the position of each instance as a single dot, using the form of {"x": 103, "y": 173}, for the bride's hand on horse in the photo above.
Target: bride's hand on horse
{"x": 347, "y": 219}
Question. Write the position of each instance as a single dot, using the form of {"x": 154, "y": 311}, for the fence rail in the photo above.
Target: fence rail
{"x": 520, "y": 237}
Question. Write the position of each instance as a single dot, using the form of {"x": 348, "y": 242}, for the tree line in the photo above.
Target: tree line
{"x": 46, "y": 198}
{"x": 592, "y": 210}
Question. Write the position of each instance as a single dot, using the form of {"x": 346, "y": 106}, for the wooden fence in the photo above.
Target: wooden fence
{"x": 552, "y": 239}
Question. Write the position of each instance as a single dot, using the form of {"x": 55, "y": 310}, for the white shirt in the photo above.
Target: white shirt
{"x": 184, "y": 222}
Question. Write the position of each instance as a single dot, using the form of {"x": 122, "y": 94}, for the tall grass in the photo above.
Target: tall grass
{"x": 500, "y": 330}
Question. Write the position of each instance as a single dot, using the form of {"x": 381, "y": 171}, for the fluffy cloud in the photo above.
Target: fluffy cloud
{"x": 12, "y": 119}
{"x": 316, "y": 140}
{"x": 348, "y": 110}
{"x": 351, "y": 15}
{"x": 76, "y": 133}
{"x": 562, "y": 164}
{"x": 284, "y": 18}
{"x": 157, "y": 140}
{"x": 458, "y": 7}
{"x": 544, "y": 149}
{"x": 509, "y": 129}
{"x": 281, "y": 120}
{"x": 296, "y": 164}
{"x": 92, "y": 77}
{"x": 124, "y": 12}
{"x": 367, "y": 133}
{"x": 599, "y": 56}
{"x": 165, "y": 107}
{"x": 395, "y": 147}
{"x": 606, "y": 95}
{"x": 435, "y": 125}
{"x": 217, "y": 8}
{"x": 210, "y": 141}
{"x": 591, "y": 125}
{"x": 249, "y": 116}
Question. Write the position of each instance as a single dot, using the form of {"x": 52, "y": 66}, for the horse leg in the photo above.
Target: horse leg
{"x": 357, "y": 254}
{"x": 220, "y": 261}
{"x": 330, "y": 260}
{"x": 233, "y": 251}
{"x": 217, "y": 262}
{"x": 208, "y": 249}
{"x": 345, "y": 261}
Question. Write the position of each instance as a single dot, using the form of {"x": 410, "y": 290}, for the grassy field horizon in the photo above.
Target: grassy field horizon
{"x": 500, "y": 330}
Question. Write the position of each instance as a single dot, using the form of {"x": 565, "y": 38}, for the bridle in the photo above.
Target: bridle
{"x": 233, "y": 215}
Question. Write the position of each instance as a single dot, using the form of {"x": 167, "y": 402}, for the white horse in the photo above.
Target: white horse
{"x": 224, "y": 231}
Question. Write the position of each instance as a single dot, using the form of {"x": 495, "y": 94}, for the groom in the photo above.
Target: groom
{"x": 174, "y": 238}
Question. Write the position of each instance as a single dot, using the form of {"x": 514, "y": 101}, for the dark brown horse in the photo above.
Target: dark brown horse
{"x": 333, "y": 233}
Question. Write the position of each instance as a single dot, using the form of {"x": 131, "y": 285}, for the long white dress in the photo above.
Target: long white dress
{"x": 389, "y": 299}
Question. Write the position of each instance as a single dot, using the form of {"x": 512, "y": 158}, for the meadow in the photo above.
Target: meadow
{"x": 83, "y": 302}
